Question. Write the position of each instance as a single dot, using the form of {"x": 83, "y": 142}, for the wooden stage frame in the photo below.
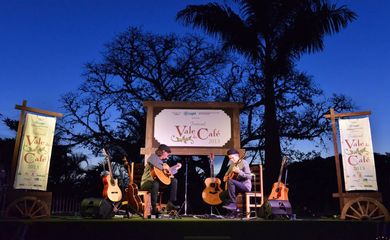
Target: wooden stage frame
{"x": 355, "y": 205}
{"x": 154, "y": 107}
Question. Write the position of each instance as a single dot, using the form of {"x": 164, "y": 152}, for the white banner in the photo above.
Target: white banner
{"x": 35, "y": 152}
{"x": 192, "y": 127}
{"x": 357, "y": 154}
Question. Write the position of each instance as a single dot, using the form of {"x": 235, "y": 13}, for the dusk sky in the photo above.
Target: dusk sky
{"x": 44, "y": 45}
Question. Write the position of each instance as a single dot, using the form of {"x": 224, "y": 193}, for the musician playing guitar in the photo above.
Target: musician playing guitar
{"x": 151, "y": 183}
{"x": 237, "y": 178}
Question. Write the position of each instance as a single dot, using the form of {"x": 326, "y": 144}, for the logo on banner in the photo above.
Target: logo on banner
{"x": 35, "y": 153}
{"x": 187, "y": 127}
{"x": 357, "y": 154}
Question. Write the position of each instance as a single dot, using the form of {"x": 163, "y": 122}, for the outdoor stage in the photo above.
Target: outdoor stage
{"x": 191, "y": 228}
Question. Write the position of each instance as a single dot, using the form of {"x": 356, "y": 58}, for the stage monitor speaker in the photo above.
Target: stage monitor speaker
{"x": 96, "y": 208}
{"x": 276, "y": 209}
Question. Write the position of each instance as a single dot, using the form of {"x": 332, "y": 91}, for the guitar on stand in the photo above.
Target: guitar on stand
{"x": 111, "y": 189}
{"x": 134, "y": 200}
{"x": 279, "y": 189}
{"x": 278, "y": 205}
{"x": 211, "y": 193}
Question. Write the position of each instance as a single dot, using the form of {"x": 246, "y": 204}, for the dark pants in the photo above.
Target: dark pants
{"x": 154, "y": 186}
{"x": 234, "y": 187}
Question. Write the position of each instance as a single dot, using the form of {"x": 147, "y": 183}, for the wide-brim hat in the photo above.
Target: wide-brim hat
{"x": 232, "y": 151}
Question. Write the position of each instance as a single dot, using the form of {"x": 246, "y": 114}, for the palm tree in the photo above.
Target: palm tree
{"x": 273, "y": 34}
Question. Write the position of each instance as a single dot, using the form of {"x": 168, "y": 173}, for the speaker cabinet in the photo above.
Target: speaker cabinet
{"x": 276, "y": 209}
{"x": 96, "y": 208}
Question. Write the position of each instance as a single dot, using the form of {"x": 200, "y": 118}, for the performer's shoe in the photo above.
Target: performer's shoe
{"x": 230, "y": 206}
{"x": 171, "y": 206}
{"x": 155, "y": 211}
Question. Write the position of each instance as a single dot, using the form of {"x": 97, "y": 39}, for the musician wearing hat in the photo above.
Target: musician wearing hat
{"x": 151, "y": 183}
{"x": 237, "y": 178}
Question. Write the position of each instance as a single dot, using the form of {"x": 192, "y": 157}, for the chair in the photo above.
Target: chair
{"x": 254, "y": 199}
{"x": 144, "y": 195}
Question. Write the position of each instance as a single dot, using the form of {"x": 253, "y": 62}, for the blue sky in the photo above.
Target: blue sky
{"x": 44, "y": 45}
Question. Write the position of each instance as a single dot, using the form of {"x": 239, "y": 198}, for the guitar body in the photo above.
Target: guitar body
{"x": 279, "y": 192}
{"x": 164, "y": 175}
{"x": 111, "y": 189}
{"x": 211, "y": 193}
{"x": 232, "y": 175}
{"x": 279, "y": 189}
{"x": 134, "y": 200}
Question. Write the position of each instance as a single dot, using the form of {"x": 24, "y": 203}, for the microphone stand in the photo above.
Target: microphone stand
{"x": 185, "y": 191}
{"x": 292, "y": 216}
{"x": 185, "y": 188}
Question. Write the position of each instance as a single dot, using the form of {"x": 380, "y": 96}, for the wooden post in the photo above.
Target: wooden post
{"x": 17, "y": 145}
{"x": 336, "y": 156}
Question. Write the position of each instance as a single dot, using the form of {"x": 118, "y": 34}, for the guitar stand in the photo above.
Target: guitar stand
{"x": 174, "y": 214}
{"x": 118, "y": 212}
{"x": 214, "y": 216}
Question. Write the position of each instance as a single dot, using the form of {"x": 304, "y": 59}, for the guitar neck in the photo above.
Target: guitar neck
{"x": 107, "y": 157}
{"x": 131, "y": 175}
{"x": 212, "y": 165}
{"x": 280, "y": 175}
{"x": 109, "y": 167}
{"x": 130, "y": 171}
{"x": 212, "y": 170}
{"x": 281, "y": 170}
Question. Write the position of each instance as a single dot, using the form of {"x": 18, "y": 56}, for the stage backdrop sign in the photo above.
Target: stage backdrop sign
{"x": 35, "y": 152}
{"x": 192, "y": 127}
{"x": 357, "y": 154}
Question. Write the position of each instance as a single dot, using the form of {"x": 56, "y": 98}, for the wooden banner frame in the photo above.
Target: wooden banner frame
{"x": 348, "y": 200}
{"x": 36, "y": 204}
{"x": 153, "y": 107}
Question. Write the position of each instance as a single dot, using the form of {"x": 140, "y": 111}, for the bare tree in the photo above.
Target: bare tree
{"x": 137, "y": 66}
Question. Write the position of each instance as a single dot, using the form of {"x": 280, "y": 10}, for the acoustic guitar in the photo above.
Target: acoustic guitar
{"x": 279, "y": 190}
{"x": 165, "y": 175}
{"x": 134, "y": 200}
{"x": 231, "y": 174}
{"x": 111, "y": 189}
{"x": 211, "y": 193}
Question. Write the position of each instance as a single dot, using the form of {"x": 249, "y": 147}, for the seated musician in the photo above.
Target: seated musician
{"x": 152, "y": 185}
{"x": 237, "y": 178}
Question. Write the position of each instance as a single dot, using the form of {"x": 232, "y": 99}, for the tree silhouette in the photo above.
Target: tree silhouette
{"x": 273, "y": 34}
{"x": 136, "y": 66}
{"x": 301, "y": 107}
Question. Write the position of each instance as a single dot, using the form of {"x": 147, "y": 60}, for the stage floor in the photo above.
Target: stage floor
{"x": 189, "y": 227}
